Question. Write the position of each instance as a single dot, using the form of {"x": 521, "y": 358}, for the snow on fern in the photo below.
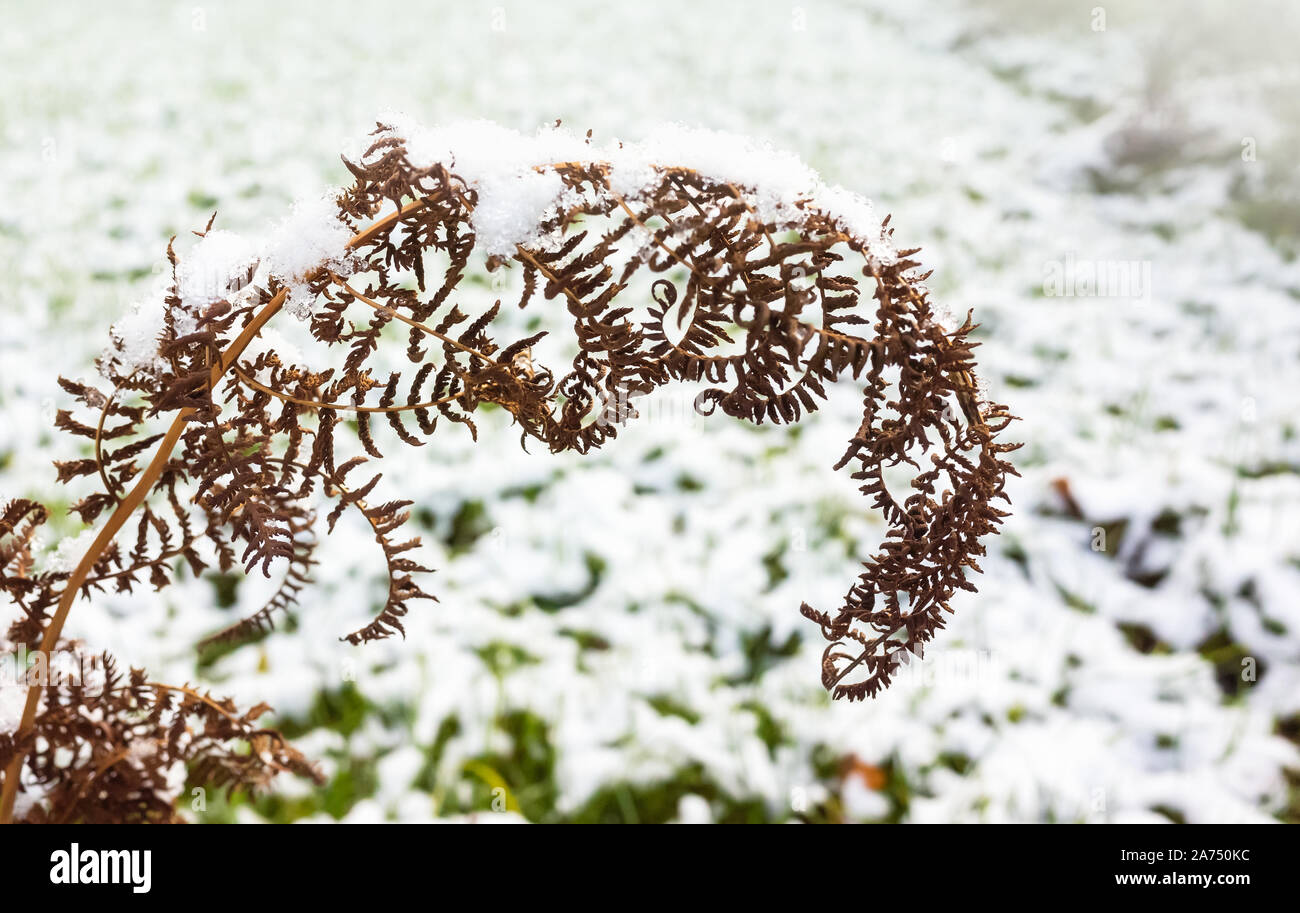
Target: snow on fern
{"x": 515, "y": 190}
{"x": 310, "y": 237}
{"x": 211, "y": 266}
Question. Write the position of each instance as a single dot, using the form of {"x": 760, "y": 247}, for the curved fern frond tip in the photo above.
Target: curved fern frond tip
{"x": 762, "y": 285}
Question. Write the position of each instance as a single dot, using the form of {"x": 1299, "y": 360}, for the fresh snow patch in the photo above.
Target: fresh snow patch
{"x": 136, "y": 335}
{"x": 500, "y": 165}
{"x": 310, "y": 237}
{"x": 205, "y": 274}
{"x": 513, "y": 195}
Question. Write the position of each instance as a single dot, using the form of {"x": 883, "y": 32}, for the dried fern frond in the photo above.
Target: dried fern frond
{"x": 103, "y": 747}
{"x": 788, "y": 287}
{"x": 106, "y": 747}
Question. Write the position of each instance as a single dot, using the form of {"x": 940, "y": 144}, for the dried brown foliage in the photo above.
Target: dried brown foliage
{"x": 768, "y": 315}
{"x": 108, "y": 747}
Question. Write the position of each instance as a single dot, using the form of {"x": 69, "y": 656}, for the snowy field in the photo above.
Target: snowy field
{"x": 618, "y": 636}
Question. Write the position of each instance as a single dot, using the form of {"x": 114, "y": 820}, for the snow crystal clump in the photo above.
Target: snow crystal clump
{"x": 207, "y": 272}
{"x": 311, "y": 237}
{"x": 780, "y": 183}
{"x": 203, "y": 276}
{"x": 135, "y": 336}
{"x": 514, "y": 196}
{"x": 777, "y": 179}
{"x": 857, "y": 217}
{"x": 500, "y": 165}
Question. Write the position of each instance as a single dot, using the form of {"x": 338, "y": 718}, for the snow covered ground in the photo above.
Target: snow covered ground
{"x": 618, "y": 635}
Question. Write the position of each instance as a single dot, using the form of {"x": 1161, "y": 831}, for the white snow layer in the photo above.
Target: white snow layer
{"x": 1065, "y": 689}
{"x": 514, "y": 193}
{"x": 508, "y": 171}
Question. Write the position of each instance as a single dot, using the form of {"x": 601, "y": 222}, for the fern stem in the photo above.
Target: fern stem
{"x": 125, "y": 508}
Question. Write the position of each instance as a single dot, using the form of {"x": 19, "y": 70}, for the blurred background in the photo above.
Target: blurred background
{"x": 1113, "y": 188}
